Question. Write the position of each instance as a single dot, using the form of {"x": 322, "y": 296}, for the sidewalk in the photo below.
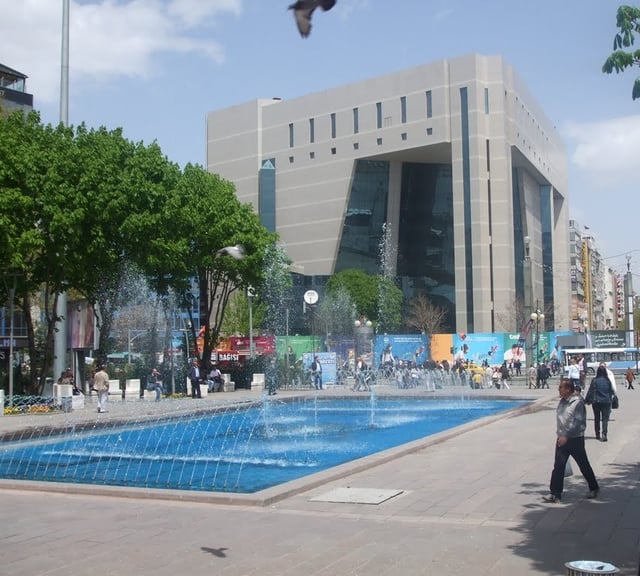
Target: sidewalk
{"x": 469, "y": 504}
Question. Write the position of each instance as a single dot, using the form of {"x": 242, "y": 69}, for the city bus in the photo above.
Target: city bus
{"x": 616, "y": 359}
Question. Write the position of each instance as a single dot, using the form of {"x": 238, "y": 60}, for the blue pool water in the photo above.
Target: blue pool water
{"x": 241, "y": 449}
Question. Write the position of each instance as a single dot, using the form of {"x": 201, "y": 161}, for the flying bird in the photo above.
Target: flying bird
{"x": 236, "y": 252}
{"x": 303, "y": 9}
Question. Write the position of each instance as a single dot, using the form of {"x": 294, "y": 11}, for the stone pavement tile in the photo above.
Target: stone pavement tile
{"x": 500, "y": 470}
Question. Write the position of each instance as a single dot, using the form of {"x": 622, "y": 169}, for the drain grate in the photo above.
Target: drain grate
{"x": 350, "y": 495}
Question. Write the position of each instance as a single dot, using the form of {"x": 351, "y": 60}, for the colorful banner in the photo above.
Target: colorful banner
{"x": 327, "y": 361}
{"x": 478, "y": 348}
{"x": 405, "y": 347}
{"x": 441, "y": 347}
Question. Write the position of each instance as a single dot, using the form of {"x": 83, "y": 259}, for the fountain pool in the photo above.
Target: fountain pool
{"x": 240, "y": 449}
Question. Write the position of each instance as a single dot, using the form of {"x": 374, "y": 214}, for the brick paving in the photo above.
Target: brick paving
{"x": 470, "y": 505}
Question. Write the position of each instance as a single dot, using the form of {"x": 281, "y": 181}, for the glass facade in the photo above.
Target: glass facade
{"x": 425, "y": 237}
{"x": 547, "y": 251}
{"x": 267, "y": 194}
{"x": 518, "y": 236}
{"x": 466, "y": 187}
{"x": 366, "y": 213}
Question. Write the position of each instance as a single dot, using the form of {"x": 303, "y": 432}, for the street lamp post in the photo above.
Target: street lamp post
{"x": 250, "y": 295}
{"x": 363, "y": 330}
{"x": 12, "y": 295}
{"x": 537, "y": 316}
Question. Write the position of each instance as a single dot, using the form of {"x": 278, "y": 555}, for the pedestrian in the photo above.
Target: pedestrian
{"x": 505, "y": 376}
{"x": 573, "y": 372}
{"x": 488, "y": 373}
{"x": 533, "y": 377}
{"x": 154, "y": 383}
{"x": 543, "y": 375}
{"x": 316, "y": 373}
{"x": 101, "y": 386}
{"x": 630, "y": 377}
{"x": 600, "y": 395}
{"x": 271, "y": 376}
{"x": 583, "y": 371}
{"x": 571, "y": 422}
{"x": 194, "y": 377}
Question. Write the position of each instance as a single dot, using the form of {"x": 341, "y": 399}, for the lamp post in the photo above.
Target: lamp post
{"x": 537, "y": 316}
{"x": 250, "y": 294}
{"x": 12, "y": 295}
{"x": 363, "y": 331}
{"x": 527, "y": 278}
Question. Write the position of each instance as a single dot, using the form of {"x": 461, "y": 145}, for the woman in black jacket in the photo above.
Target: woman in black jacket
{"x": 599, "y": 396}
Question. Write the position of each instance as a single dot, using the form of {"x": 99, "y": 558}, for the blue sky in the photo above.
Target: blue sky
{"x": 156, "y": 67}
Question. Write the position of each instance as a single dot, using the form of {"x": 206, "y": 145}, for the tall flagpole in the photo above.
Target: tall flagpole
{"x": 60, "y": 338}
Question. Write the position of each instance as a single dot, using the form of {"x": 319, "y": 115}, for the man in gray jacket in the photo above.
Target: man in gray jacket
{"x": 571, "y": 422}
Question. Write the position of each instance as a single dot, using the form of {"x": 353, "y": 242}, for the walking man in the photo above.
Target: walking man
{"x": 101, "y": 386}
{"x": 271, "y": 375}
{"x": 571, "y": 422}
{"x": 194, "y": 377}
{"x": 316, "y": 373}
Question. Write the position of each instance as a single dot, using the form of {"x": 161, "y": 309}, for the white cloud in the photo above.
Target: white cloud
{"x": 606, "y": 149}
{"x": 108, "y": 38}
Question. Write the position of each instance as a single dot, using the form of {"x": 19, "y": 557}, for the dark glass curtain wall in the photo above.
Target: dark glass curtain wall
{"x": 367, "y": 212}
{"x": 425, "y": 235}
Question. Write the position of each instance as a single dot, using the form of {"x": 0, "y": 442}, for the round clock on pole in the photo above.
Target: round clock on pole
{"x": 310, "y": 296}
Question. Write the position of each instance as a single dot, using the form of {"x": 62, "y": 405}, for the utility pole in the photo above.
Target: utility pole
{"x": 628, "y": 297}
{"x": 60, "y": 337}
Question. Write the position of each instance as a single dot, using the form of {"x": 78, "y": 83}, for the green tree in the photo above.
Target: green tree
{"x": 120, "y": 191}
{"x": 204, "y": 216}
{"x": 34, "y": 219}
{"x": 362, "y": 287}
{"x": 628, "y": 23}
{"x": 374, "y": 297}
{"x": 236, "y": 318}
{"x": 390, "y": 300}
{"x": 80, "y": 209}
{"x": 337, "y": 312}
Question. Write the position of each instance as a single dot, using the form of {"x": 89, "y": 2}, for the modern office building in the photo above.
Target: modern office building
{"x": 13, "y": 94}
{"x": 453, "y": 158}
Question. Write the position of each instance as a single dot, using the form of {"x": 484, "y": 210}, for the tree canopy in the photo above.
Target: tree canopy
{"x": 628, "y": 23}
{"x": 375, "y": 297}
{"x": 80, "y": 206}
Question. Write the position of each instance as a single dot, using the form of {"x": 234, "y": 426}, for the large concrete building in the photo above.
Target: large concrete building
{"x": 453, "y": 158}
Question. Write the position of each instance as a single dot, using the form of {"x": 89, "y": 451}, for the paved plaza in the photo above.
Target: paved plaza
{"x": 467, "y": 503}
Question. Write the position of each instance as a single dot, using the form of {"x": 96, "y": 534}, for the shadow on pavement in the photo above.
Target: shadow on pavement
{"x": 581, "y": 529}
